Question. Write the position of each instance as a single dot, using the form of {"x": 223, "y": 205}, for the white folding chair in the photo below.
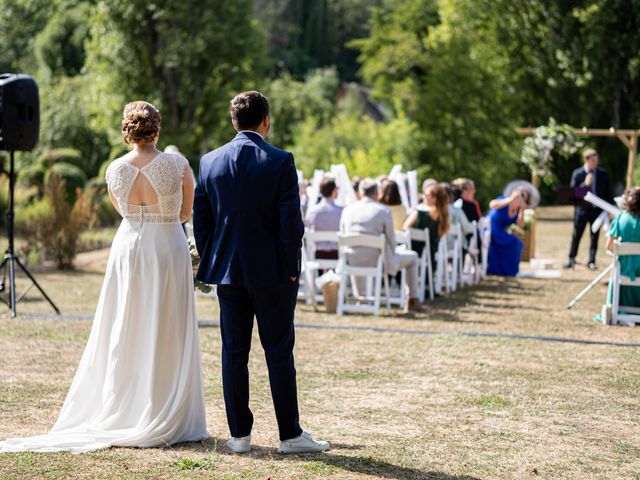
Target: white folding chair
{"x": 399, "y": 297}
{"x": 425, "y": 267}
{"x": 367, "y": 302}
{"x": 442, "y": 264}
{"x": 403, "y": 238}
{"x": 454, "y": 257}
{"x": 617, "y": 313}
{"x": 484, "y": 225}
{"x": 311, "y": 238}
{"x": 307, "y": 289}
{"x": 470, "y": 263}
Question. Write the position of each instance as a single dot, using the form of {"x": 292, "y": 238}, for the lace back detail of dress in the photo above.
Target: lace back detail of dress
{"x": 164, "y": 173}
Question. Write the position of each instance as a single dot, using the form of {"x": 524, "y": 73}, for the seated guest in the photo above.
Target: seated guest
{"x": 426, "y": 184}
{"x": 457, "y": 216}
{"x": 435, "y": 218}
{"x": 505, "y": 248}
{"x": 390, "y": 196}
{"x": 325, "y": 216}
{"x": 470, "y": 205}
{"x": 367, "y": 216}
{"x": 304, "y": 198}
{"x": 626, "y": 228}
{"x": 355, "y": 182}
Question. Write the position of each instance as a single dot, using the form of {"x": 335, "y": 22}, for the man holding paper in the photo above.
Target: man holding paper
{"x": 594, "y": 179}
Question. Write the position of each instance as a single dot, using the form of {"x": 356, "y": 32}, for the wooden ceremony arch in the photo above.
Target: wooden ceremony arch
{"x": 628, "y": 137}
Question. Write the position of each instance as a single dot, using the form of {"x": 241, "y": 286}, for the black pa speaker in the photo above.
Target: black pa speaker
{"x": 19, "y": 112}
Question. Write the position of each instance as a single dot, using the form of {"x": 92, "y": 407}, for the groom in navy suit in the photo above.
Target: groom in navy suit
{"x": 248, "y": 229}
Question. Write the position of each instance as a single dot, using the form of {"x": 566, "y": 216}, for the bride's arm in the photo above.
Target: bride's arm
{"x": 188, "y": 187}
{"x": 114, "y": 202}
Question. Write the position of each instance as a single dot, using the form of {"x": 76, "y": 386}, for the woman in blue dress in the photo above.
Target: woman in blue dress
{"x": 505, "y": 248}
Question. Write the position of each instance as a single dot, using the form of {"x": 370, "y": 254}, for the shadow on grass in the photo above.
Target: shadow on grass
{"x": 445, "y": 307}
{"x": 357, "y": 464}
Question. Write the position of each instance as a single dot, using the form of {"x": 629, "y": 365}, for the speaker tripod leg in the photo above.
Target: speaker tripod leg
{"x": 35, "y": 282}
{"x": 3, "y": 283}
{"x": 12, "y": 285}
{"x": 3, "y": 266}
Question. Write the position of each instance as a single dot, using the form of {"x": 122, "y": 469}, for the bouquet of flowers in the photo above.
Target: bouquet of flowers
{"x": 195, "y": 261}
{"x": 529, "y": 215}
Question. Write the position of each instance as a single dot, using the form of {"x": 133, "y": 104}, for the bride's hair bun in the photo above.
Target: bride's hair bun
{"x": 140, "y": 122}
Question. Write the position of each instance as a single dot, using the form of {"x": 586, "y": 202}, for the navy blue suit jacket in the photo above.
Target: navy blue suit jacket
{"x": 246, "y": 216}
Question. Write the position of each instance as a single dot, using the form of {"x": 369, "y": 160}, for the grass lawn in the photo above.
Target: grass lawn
{"x": 473, "y": 389}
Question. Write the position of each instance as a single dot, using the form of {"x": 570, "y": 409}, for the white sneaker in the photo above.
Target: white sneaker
{"x": 240, "y": 444}
{"x": 301, "y": 444}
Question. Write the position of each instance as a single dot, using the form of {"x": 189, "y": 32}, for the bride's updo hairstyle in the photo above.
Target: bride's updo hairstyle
{"x": 140, "y": 122}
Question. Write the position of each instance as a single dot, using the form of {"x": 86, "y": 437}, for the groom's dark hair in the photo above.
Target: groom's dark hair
{"x": 248, "y": 109}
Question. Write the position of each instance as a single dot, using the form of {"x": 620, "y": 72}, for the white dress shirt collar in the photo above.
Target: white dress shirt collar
{"x": 251, "y": 131}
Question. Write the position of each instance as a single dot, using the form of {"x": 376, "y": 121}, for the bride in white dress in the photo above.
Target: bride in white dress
{"x": 139, "y": 382}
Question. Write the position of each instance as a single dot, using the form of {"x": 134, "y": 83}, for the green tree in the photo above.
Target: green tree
{"x": 366, "y": 147}
{"x": 46, "y": 40}
{"x": 59, "y": 47}
{"x": 292, "y": 101}
{"x": 303, "y": 35}
{"x": 66, "y": 122}
{"x": 20, "y": 21}
{"x": 424, "y": 59}
{"x": 575, "y": 61}
{"x": 188, "y": 57}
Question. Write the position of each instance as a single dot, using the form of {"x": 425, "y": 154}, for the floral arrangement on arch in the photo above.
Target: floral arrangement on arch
{"x": 537, "y": 152}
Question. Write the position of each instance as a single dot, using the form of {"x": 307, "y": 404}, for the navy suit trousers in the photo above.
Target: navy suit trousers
{"x": 273, "y": 308}
{"x": 582, "y": 216}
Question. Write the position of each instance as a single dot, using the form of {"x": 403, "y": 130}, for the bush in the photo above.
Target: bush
{"x": 293, "y": 101}
{"x": 366, "y": 147}
{"x": 60, "y": 155}
{"x": 53, "y": 228}
{"x": 95, "y": 187}
{"x": 72, "y": 176}
{"x": 107, "y": 216}
{"x": 33, "y": 176}
{"x": 103, "y": 170}
{"x": 64, "y": 109}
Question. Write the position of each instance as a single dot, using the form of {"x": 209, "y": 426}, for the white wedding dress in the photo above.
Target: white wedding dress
{"x": 139, "y": 382}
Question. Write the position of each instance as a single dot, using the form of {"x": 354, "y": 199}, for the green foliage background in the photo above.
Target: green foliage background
{"x": 437, "y": 85}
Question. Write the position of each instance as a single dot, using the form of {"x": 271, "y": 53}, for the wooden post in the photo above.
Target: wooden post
{"x": 633, "y": 154}
{"x": 535, "y": 180}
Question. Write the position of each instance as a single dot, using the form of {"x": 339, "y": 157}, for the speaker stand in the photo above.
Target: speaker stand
{"x": 10, "y": 260}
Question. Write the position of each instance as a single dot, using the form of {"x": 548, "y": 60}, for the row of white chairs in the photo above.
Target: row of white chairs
{"x": 453, "y": 268}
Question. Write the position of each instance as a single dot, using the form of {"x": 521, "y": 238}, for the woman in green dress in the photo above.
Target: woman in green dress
{"x": 626, "y": 228}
